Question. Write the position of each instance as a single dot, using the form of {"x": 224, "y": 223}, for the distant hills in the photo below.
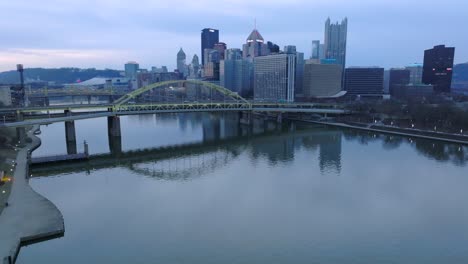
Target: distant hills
{"x": 71, "y": 75}
{"x": 460, "y": 72}
{"x": 60, "y": 75}
{"x": 460, "y": 77}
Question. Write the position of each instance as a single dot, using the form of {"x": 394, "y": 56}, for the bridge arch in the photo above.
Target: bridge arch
{"x": 126, "y": 98}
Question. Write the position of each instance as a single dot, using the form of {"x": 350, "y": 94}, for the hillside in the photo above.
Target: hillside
{"x": 460, "y": 77}
{"x": 460, "y": 73}
{"x": 60, "y": 75}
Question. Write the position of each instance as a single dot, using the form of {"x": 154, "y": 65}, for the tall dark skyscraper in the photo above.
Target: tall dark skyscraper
{"x": 209, "y": 37}
{"x": 335, "y": 41}
{"x": 438, "y": 68}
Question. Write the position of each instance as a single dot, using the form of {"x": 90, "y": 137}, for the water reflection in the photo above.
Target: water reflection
{"x": 223, "y": 139}
{"x": 293, "y": 193}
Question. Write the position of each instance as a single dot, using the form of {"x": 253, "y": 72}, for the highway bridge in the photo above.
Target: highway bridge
{"x": 206, "y": 97}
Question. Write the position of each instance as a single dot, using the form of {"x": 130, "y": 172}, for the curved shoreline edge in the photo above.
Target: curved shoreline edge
{"x": 30, "y": 217}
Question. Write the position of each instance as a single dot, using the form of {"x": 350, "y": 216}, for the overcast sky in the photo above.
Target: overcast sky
{"x": 108, "y": 33}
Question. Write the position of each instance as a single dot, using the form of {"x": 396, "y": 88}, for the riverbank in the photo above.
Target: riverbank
{"x": 449, "y": 138}
{"x": 29, "y": 217}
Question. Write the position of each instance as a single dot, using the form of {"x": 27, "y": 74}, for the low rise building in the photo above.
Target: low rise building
{"x": 322, "y": 80}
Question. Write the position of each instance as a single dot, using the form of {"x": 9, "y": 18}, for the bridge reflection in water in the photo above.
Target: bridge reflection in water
{"x": 224, "y": 139}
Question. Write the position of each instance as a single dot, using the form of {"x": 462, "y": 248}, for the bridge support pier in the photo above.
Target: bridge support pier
{"x": 70, "y": 135}
{"x": 279, "y": 118}
{"x": 245, "y": 118}
{"x": 114, "y": 133}
{"x": 19, "y": 116}
{"x": 89, "y": 99}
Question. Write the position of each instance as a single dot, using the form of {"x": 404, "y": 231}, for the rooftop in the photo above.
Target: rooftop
{"x": 255, "y": 36}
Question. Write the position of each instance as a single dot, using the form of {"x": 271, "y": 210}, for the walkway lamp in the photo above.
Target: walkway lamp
{"x": 461, "y": 131}
{"x": 412, "y": 125}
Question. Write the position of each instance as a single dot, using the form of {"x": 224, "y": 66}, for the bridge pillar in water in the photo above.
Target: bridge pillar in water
{"x": 89, "y": 99}
{"x": 245, "y": 118}
{"x": 114, "y": 133}
{"x": 70, "y": 135}
{"x": 279, "y": 118}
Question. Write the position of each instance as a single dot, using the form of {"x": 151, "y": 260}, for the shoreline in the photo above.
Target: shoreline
{"x": 401, "y": 132}
{"x": 30, "y": 217}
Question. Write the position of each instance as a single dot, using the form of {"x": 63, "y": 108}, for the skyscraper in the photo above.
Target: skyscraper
{"x": 220, "y": 47}
{"x": 194, "y": 67}
{"x": 275, "y": 77}
{"x": 299, "y": 72}
{"x": 209, "y": 37}
{"x": 315, "y": 50}
{"x": 181, "y": 67}
{"x": 438, "y": 68}
{"x": 255, "y": 46}
{"x": 236, "y": 73}
{"x": 131, "y": 69}
{"x": 335, "y": 41}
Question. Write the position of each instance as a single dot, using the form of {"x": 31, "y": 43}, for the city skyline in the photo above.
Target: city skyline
{"x": 83, "y": 35}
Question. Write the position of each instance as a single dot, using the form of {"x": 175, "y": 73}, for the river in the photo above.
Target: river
{"x": 199, "y": 188}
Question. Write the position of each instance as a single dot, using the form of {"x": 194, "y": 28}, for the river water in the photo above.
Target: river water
{"x": 199, "y": 188}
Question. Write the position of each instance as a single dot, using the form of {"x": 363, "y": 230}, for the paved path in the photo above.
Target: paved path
{"x": 29, "y": 217}
{"x": 369, "y": 128}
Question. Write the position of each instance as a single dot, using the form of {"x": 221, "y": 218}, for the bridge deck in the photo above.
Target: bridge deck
{"x": 59, "y": 158}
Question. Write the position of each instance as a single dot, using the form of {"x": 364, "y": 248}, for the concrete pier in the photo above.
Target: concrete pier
{"x": 113, "y": 126}
{"x": 114, "y": 134}
{"x": 245, "y": 118}
{"x": 29, "y": 217}
{"x": 70, "y": 135}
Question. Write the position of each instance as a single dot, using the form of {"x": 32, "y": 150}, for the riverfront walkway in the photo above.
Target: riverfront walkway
{"x": 29, "y": 217}
{"x": 380, "y": 129}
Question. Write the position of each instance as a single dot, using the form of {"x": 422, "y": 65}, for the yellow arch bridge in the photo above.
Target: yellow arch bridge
{"x": 128, "y": 105}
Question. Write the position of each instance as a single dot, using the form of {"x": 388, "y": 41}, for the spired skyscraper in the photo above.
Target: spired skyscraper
{"x": 194, "y": 67}
{"x": 335, "y": 41}
{"x": 255, "y": 46}
{"x": 181, "y": 67}
{"x": 209, "y": 37}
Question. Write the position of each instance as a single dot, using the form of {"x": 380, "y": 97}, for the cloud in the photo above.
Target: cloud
{"x": 152, "y": 31}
